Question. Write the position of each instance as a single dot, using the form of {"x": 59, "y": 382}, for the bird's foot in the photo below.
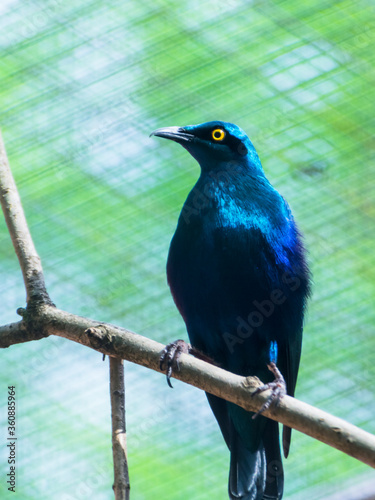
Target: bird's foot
{"x": 170, "y": 356}
{"x": 171, "y": 353}
{"x": 278, "y": 388}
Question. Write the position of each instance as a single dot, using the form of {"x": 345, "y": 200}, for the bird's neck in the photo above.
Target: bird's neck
{"x": 241, "y": 180}
{"x": 231, "y": 192}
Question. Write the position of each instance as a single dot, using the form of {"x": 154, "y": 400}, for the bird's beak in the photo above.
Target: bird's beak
{"x": 177, "y": 134}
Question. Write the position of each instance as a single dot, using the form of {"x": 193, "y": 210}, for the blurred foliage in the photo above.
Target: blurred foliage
{"x": 82, "y": 86}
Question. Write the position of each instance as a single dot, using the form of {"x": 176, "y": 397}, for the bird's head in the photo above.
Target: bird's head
{"x": 213, "y": 143}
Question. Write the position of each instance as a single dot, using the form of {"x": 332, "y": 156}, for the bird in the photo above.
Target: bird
{"x": 238, "y": 272}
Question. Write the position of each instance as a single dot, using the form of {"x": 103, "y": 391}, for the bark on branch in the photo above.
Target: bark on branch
{"x": 124, "y": 344}
{"x": 121, "y": 485}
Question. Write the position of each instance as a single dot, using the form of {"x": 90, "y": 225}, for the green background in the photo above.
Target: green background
{"x": 82, "y": 85}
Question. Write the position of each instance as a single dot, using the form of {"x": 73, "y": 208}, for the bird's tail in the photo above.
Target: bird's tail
{"x": 256, "y": 475}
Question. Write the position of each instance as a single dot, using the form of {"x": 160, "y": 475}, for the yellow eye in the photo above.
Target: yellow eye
{"x": 218, "y": 134}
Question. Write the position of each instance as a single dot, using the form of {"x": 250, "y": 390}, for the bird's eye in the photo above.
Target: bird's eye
{"x": 218, "y": 134}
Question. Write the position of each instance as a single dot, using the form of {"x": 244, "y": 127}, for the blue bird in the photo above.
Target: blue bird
{"x": 238, "y": 274}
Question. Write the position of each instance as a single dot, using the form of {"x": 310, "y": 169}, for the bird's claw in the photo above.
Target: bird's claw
{"x": 278, "y": 388}
{"x": 170, "y": 356}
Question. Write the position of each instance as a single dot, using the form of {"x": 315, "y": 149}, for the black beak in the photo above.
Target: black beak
{"x": 177, "y": 134}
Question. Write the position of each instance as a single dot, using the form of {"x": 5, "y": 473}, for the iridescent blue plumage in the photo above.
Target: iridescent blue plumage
{"x": 238, "y": 276}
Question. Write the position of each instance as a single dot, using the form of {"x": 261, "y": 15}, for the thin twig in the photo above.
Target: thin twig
{"x": 121, "y": 484}
{"x": 23, "y": 244}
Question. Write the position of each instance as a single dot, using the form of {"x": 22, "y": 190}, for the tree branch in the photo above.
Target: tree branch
{"x": 37, "y": 296}
{"x": 121, "y": 484}
{"x": 23, "y": 244}
{"x": 124, "y": 344}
